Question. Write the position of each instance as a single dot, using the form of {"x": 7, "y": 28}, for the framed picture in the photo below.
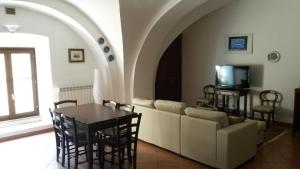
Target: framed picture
{"x": 76, "y": 55}
{"x": 238, "y": 43}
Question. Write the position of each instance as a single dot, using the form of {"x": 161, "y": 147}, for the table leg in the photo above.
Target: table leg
{"x": 90, "y": 149}
{"x": 238, "y": 105}
{"x": 245, "y": 106}
{"x": 216, "y": 101}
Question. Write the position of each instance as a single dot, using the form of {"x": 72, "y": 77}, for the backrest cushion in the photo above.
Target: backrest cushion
{"x": 216, "y": 116}
{"x": 170, "y": 106}
{"x": 143, "y": 102}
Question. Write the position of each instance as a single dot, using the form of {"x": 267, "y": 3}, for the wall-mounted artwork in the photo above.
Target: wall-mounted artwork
{"x": 76, "y": 55}
{"x": 239, "y": 43}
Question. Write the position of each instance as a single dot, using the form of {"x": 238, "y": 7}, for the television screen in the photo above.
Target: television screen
{"x": 230, "y": 76}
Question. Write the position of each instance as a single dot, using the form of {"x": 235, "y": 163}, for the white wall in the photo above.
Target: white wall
{"x": 275, "y": 26}
{"x": 61, "y": 38}
{"x": 173, "y": 17}
{"x": 106, "y": 15}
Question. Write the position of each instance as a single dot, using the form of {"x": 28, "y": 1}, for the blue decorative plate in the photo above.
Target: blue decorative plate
{"x": 110, "y": 58}
{"x": 101, "y": 40}
{"x": 106, "y": 49}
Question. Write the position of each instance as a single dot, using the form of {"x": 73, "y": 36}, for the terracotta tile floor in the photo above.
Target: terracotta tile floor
{"x": 38, "y": 152}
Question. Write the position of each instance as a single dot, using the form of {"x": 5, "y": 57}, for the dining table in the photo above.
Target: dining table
{"x": 96, "y": 117}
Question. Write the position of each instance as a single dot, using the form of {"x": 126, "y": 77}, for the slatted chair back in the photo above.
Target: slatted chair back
{"x": 70, "y": 129}
{"x": 59, "y": 135}
{"x": 127, "y": 135}
{"x": 65, "y": 102}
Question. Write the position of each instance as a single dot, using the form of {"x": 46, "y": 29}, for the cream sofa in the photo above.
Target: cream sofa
{"x": 198, "y": 134}
{"x": 160, "y": 124}
{"x": 207, "y": 137}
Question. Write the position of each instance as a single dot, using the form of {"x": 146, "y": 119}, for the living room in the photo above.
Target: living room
{"x": 138, "y": 42}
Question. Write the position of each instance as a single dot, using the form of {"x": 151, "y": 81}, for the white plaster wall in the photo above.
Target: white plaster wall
{"x": 106, "y": 15}
{"x": 138, "y": 18}
{"x": 171, "y": 21}
{"x": 61, "y": 38}
{"x": 275, "y": 26}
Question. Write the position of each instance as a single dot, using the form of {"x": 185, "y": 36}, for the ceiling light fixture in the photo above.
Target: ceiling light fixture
{"x": 12, "y": 28}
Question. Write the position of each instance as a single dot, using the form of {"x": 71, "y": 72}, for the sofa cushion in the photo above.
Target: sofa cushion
{"x": 207, "y": 108}
{"x": 216, "y": 116}
{"x": 143, "y": 102}
{"x": 235, "y": 119}
{"x": 170, "y": 106}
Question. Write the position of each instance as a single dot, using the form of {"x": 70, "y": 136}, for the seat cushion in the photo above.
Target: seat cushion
{"x": 263, "y": 108}
{"x": 170, "y": 106}
{"x": 143, "y": 102}
{"x": 235, "y": 119}
{"x": 216, "y": 116}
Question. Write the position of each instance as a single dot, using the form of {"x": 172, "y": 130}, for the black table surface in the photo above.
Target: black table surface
{"x": 92, "y": 113}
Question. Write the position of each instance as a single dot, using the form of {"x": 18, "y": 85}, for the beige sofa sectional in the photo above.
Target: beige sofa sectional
{"x": 198, "y": 134}
{"x": 160, "y": 124}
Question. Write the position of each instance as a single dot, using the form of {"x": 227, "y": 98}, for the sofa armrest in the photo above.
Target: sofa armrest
{"x": 198, "y": 139}
{"x": 236, "y": 144}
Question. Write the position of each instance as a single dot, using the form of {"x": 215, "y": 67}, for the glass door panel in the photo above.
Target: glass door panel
{"x": 22, "y": 82}
{"x": 4, "y": 110}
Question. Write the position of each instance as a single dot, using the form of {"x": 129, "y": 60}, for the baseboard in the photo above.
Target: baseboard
{"x": 27, "y": 134}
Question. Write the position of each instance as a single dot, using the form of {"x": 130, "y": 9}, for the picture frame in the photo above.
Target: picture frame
{"x": 239, "y": 43}
{"x": 76, "y": 55}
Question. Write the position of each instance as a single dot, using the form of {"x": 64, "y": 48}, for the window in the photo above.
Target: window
{"x": 18, "y": 84}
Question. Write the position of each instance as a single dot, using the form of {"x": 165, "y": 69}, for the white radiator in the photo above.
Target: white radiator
{"x": 83, "y": 94}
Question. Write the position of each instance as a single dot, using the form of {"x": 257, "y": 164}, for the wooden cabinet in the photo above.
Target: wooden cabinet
{"x": 296, "y": 124}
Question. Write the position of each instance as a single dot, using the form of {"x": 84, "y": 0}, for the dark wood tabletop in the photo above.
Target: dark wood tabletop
{"x": 92, "y": 113}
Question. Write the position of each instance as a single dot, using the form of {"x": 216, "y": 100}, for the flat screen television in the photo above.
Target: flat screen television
{"x": 232, "y": 76}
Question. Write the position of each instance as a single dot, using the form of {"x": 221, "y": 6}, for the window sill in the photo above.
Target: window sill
{"x": 23, "y": 127}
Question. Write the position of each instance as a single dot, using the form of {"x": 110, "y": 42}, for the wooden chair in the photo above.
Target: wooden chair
{"x": 76, "y": 141}
{"x": 209, "y": 96}
{"x": 72, "y": 102}
{"x": 268, "y": 99}
{"x": 125, "y": 138}
{"x": 109, "y": 103}
{"x": 59, "y": 136}
{"x": 109, "y": 131}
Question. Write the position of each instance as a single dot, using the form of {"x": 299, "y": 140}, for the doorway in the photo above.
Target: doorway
{"x": 18, "y": 83}
{"x": 168, "y": 76}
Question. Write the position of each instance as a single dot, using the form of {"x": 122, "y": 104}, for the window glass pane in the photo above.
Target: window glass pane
{"x": 22, "y": 80}
{"x": 3, "y": 88}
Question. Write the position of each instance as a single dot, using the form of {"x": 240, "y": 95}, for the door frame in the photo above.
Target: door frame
{"x": 9, "y": 79}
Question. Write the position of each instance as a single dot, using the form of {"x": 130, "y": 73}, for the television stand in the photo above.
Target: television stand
{"x": 231, "y": 92}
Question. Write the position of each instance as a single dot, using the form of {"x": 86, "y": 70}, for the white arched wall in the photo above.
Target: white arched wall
{"x": 147, "y": 42}
{"x": 80, "y": 30}
{"x": 106, "y": 15}
{"x": 163, "y": 31}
